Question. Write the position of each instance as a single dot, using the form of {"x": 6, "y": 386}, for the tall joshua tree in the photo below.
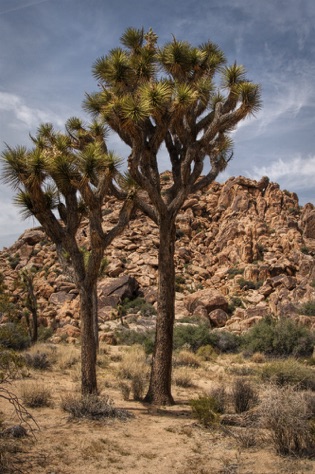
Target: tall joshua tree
{"x": 168, "y": 96}
{"x": 71, "y": 174}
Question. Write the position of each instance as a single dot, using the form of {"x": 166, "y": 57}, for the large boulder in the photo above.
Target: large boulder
{"x": 114, "y": 291}
{"x": 210, "y": 299}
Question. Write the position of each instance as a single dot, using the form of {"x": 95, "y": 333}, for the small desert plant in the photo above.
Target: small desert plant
{"x": 186, "y": 358}
{"x": 138, "y": 383}
{"x": 44, "y": 333}
{"x": 125, "y": 390}
{"x": 235, "y": 271}
{"x": 135, "y": 306}
{"x": 134, "y": 367}
{"x": 92, "y": 407}
{"x": 182, "y": 378}
{"x": 289, "y": 372}
{"x": 243, "y": 395}
{"x": 204, "y": 409}
{"x": 285, "y": 413}
{"x": 219, "y": 395}
{"x": 14, "y": 336}
{"x": 35, "y": 395}
{"x": 308, "y": 308}
{"x": 129, "y": 337}
{"x": 37, "y": 361}
{"x": 207, "y": 353}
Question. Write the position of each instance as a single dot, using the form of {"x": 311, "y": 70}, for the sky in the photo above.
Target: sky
{"x": 48, "y": 47}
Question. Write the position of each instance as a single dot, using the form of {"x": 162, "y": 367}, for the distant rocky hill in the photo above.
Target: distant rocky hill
{"x": 244, "y": 249}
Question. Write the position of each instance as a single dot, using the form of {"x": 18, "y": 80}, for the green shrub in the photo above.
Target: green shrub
{"x": 249, "y": 285}
{"x": 130, "y": 337}
{"x": 207, "y": 353}
{"x": 289, "y": 372}
{"x": 279, "y": 338}
{"x": 195, "y": 336}
{"x": 14, "y": 336}
{"x": 205, "y": 410}
{"x": 235, "y": 271}
{"x": 44, "y": 333}
{"x": 308, "y": 308}
{"x": 235, "y": 302}
{"x": 136, "y": 305}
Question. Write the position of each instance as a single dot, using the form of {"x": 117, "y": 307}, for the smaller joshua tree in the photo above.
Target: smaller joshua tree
{"x": 71, "y": 173}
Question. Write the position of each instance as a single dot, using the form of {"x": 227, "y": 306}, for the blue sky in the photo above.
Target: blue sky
{"x": 48, "y": 47}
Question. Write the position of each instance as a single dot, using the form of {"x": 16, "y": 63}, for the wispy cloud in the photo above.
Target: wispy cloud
{"x": 20, "y": 7}
{"x": 29, "y": 116}
{"x": 296, "y": 173}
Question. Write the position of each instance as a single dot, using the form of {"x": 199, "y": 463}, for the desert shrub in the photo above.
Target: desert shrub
{"x": 186, "y": 358}
{"x": 308, "y": 308}
{"x": 207, "y": 353}
{"x": 194, "y": 336}
{"x": 285, "y": 413}
{"x": 235, "y": 271}
{"x": 182, "y": 378}
{"x": 289, "y": 372}
{"x": 44, "y": 333}
{"x": 244, "y": 396}
{"x": 235, "y": 302}
{"x": 191, "y": 336}
{"x": 249, "y": 285}
{"x": 137, "y": 305}
{"x": 129, "y": 337}
{"x": 92, "y": 407}
{"x": 134, "y": 367}
{"x": 14, "y": 336}
{"x": 219, "y": 395}
{"x": 204, "y": 409}
{"x": 37, "y": 361}
{"x": 35, "y": 395}
{"x": 125, "y": 390}
{"x": 279, "y": 338}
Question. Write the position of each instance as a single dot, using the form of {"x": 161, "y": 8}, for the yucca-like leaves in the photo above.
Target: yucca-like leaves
{"x": 95, "y": 102}
{"x": 92, "y": 161}
{"x": 24, "y": 201}
{"x": 14, "y": 166}
{"x": 185, "y": 97}
{"x": 157, "y": 94}
{"x": 73, "y": 124}
{"x": 215, "y": 57}
{"x": 176, "y": 58}
{"x": 126, "y": 182}
{"x": 250, "y": 95}
{"x": 63, "y": 170}
{"x": 113, "y": 68}
{"x": 35, "y": 168}
{"x": 204, "y": 88}
{"x": 133, "y": 39}
{"x": 232, "y": 75}
{"x": 143, "y": 67}
{"x": 134, "y": 110}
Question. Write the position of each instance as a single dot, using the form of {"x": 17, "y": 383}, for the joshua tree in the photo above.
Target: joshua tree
{"x": 71, "y": 173}
{"x": 155, "y": 97}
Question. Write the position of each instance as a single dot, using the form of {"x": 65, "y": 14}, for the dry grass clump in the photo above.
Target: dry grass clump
{"x": 92, "y": 407}
{"x": 35, "y": 395}
{"x": 243, "y": 395}
{"x": 68, "y": 357}
{"x": 40, "y": 356}
{"x": 186, "y": 358}
{"x": 135, "y": 369}
{"x": 287, "y": 414}
{"x": 219, "y": 394}
{"x": 182, "y": 378}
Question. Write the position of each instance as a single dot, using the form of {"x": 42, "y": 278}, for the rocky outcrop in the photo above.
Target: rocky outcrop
{"x": 244, "y": 249}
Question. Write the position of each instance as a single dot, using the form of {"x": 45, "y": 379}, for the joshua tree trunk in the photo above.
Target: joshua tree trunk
{"x": 88, "y": 343}
{"x": 159, "y": 391}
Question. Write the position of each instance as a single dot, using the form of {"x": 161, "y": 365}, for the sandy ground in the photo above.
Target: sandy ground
{"x": 156, "y": 440}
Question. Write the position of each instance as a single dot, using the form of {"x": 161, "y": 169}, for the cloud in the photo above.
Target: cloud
{"x": 296, "y": 173}
{"x": 29, "y": 116}
{"x": 20, "y": 7}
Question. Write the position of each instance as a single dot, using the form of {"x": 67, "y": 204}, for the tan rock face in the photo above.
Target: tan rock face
{"x": 244, "y": 249}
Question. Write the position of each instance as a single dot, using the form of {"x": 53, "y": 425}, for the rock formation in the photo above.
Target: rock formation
{"x": 244, "y": 249}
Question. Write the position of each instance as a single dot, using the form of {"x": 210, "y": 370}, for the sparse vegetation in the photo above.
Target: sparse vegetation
{"x": 279, "y": 338}
{"x": 308, "y": 308}
{"x": 289, "y": 372}
{"x": 204, "y": 408}
{"x": 92, "y": 407}
{"x": 244, "y": 396}
{"x": 35, "y": 395}
{"x": 14, "y": 336}
{"x": 286, "y": 414}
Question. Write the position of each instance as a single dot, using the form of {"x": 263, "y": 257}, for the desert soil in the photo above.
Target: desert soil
{"x": 158, "y": 440}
